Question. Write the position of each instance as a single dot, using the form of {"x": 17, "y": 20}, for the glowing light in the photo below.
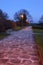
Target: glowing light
{"x": 22, "y": 16}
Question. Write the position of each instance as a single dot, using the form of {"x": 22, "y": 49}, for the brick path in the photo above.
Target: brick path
{"x": 19, "y": 49}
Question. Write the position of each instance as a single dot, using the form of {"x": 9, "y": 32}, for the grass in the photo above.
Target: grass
{"x": 39, "y": 39}
{"x": 38, "y": 31}
{"x": 3, "y": 35}
{"x": 17, "y": 28}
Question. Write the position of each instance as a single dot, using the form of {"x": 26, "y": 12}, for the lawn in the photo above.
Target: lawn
{"x": 3, "y": 35}
{"x": 39, "y": 39}
{"x": 17, "y": 28}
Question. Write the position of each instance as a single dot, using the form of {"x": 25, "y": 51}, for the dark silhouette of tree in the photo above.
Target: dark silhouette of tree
{"x": 3, "y": 21}
{"x": 2, "y": 27}
{"x": 41, "y": 19}
{"x": 3, "y": 15}
{"x": 21, "y": 16}
{"x": 27, "y": 15}
{"x": 18, "y": 14}
{"x": 30, "y": 19}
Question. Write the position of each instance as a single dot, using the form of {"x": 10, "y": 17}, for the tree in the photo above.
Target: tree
{"x": 18, "y": 14}
{"x": 41, "y": 19}
{"x": 3, "y": 20}
{"x": 3, "y": 15}
{"x": 21, "y": 16}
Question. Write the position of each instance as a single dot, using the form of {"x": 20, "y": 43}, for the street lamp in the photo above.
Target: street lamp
{"x": 22, "y": 16}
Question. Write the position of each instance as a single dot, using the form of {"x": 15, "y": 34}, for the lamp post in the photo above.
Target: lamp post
{"x": 22, "y": 16}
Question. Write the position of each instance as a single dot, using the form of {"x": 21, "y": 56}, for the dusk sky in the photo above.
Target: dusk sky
{"x": 34, "y": 7}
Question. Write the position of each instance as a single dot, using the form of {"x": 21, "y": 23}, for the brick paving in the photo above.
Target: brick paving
{"x": 19, "y": 49}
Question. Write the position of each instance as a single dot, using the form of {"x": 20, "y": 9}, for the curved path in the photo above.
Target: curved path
{"x": 19, "y": 49}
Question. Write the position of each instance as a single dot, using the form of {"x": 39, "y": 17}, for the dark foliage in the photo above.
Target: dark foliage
{"x": 3, "y": 15}
{"x": 41, "y": 19}
{"x": 37, "y": 26}
{"x": 21, "y": 17}
{"x": 4, "y": 23}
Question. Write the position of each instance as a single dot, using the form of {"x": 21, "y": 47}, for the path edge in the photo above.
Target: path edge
{"x": 38, "y": 48}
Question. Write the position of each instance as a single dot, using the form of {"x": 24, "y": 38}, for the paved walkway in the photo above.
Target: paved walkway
{"x": 19, "y": 49}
